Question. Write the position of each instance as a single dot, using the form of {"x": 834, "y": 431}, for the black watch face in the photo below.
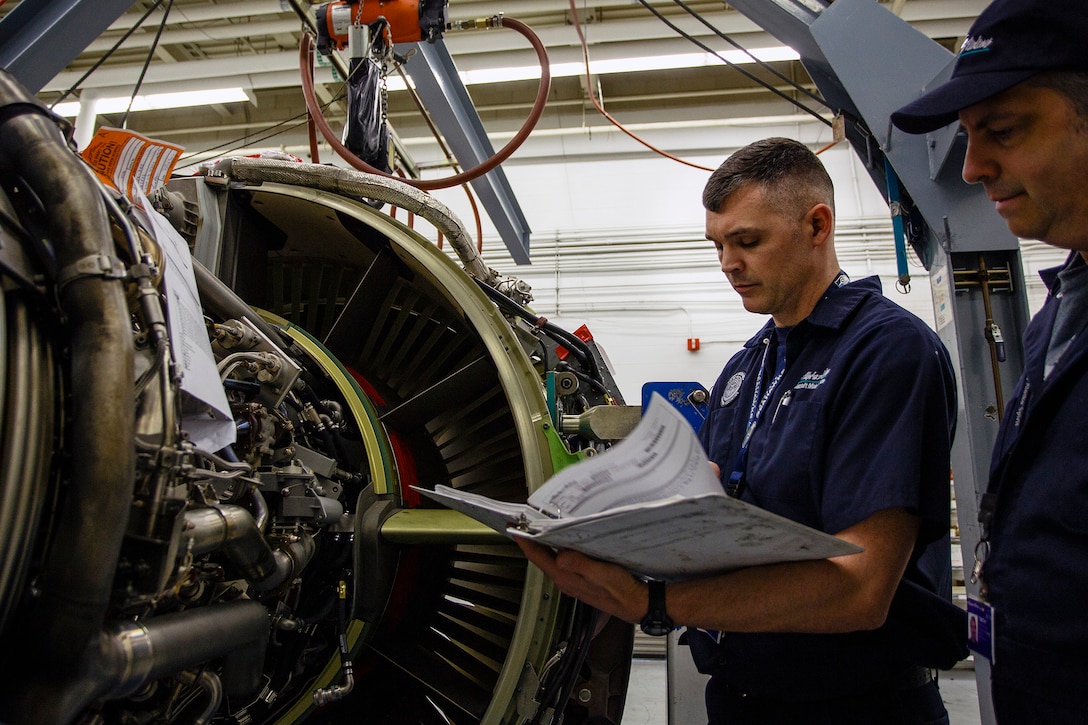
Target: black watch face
{"x": 656, "y": 627}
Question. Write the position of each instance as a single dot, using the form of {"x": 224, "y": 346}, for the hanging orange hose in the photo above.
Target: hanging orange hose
{"x": 311, "y": 130}
{"x": 600, "y": 109}
{"x": 475, "y": 213}
{"x": 306, "y": 62}
{"x": 449, "y": 155}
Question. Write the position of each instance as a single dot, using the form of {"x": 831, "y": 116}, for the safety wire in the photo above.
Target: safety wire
{"x": 147, "y": 63}
{"x": 600, "y": 109}
{"x": 247, "y": 140}
{"x": 106, "y": 56}
{"x": 762, "y": 64}
{"x": 284, "y": 126}
{"x": 732, "y": 65}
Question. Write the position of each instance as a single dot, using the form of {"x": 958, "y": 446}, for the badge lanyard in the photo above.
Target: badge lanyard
{"x": 981, "y": 617}
{"x": 760, "y": 398}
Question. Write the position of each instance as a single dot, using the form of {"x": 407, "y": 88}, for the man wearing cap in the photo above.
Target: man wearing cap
{"x": 1020, "y": 89}
{"x": 813, "y": 421}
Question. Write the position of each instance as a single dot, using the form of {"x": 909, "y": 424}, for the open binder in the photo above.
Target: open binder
{"x": 651, "y": 504}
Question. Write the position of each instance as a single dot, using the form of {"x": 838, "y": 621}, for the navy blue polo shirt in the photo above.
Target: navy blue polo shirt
{"x": 1037, "y": 571}
{"x": 862, "y": 420}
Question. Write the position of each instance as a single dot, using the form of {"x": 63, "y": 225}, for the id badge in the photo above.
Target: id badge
{"x": 980, "y": 628}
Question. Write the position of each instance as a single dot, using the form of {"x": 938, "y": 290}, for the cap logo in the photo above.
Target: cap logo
{"x": 975, "y": 45}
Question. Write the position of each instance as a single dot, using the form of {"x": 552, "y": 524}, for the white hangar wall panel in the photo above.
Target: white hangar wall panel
{"x": 618, "y": 244}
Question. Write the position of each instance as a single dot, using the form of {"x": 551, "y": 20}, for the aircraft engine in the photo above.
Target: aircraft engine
{"x": 151, "y": 575}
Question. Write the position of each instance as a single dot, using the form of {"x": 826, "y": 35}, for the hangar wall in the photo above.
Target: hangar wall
{"x": 618, "y": 244}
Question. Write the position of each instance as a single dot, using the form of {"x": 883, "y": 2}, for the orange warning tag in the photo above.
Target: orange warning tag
{"x": 127, "y": 160}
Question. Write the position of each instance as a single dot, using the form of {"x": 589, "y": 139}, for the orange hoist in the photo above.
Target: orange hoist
{"x": 408, "y": 20}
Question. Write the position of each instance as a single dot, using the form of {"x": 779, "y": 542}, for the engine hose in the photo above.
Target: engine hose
{"x": 54, "y": 656}
{"x": 361, "y": 186}
{"x": 140, "y": 652}
{"x": 573, "y": 672}
{"x": 557, "y": 692}
{"x": 306, "y": 63}
{"x": 595, "y": 384}
{"x": 329, "y": 434}
{"x": 220, "y": 299}
{"x": 347, "y": 682}
{"x": 577, "y": 346}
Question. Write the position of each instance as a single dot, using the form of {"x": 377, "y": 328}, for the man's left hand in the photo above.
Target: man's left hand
{"x": 607, "y": 587}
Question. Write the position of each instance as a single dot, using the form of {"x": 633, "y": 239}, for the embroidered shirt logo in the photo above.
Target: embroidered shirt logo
{"x": 732, "y": 388}
{"x": 975, "y": 45}
{"x": 812, "y": 380}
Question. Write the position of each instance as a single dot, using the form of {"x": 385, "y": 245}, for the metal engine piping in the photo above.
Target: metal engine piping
{"x": 136, "y": 653}
{"x": 233, "y": 530}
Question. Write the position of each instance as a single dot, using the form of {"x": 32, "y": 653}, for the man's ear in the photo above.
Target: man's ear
{"x": 819, "y": 223}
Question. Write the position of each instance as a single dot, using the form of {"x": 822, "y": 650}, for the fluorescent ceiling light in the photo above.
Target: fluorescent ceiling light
{"x": 618, "y": 65}
{"x": 629, "y": 65}
{"x": 157, "y": 101}
{"x": 471, "y": 77}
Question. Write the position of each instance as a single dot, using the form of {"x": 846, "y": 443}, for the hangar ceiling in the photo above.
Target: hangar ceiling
{"x": 205, "y": 44}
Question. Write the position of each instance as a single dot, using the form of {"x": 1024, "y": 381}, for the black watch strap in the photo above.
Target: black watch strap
{"x": 656, "y": 622}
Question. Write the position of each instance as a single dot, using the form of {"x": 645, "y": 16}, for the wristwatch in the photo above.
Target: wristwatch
{"x": 656, "y": 622}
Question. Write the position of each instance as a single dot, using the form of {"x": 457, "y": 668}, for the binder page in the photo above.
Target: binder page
{"x": 683, "y": 538}
{"x": 662, "y": 458}
{"x": 496, "y": 514}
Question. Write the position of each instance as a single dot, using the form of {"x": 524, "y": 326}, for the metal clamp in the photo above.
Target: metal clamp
{"x": 95, "y": 265}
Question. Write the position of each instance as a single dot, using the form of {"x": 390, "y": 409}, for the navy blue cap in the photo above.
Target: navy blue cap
{"x": 1011, "y": 41}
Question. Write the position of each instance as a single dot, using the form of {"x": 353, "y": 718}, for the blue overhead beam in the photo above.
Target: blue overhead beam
{"x": 436, "y": 81}
{"x": 39, "y": 39}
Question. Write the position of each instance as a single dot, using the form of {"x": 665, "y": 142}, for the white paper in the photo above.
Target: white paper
{"x": 652, "y": 505}
{"x": 211, "y": 427}
{"x": 661, "y": 458}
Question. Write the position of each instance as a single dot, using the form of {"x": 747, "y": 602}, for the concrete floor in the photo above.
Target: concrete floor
{"x": 647, "y": 696}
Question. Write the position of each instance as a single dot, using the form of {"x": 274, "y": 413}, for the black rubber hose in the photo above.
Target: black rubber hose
{"x": 220, "y": 299}
{"x": 55, "y": 658}
{"x": 576, "y": 346}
